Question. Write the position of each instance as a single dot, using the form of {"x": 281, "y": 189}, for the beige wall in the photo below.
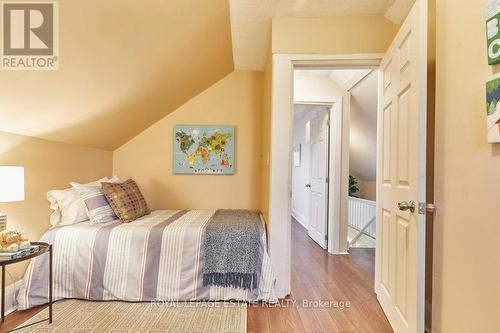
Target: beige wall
{"x": 332, "y": 35}
{"x": 147, "y": 158}
{"x": 363, "y": 127}
{"x": 48, "y": 165}
{"x": 368, "y": 190}
{"x": 467, "y": 177}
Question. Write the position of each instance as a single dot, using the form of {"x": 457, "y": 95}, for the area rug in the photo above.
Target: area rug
{"x": 100, "y": 317}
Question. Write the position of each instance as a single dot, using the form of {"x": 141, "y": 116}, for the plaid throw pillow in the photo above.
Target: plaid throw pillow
{"x": 126, "y": 200}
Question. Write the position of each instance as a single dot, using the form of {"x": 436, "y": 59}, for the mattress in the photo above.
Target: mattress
{"x": 158, "y": 257}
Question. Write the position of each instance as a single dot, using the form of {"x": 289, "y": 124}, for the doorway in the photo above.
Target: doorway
{"x": 401, "y": 167}
{"x": 361, "y": 211}
{"x": 310, "y": 169}
{"x": 334, "y": 137}
{"x": 337, "y": 213}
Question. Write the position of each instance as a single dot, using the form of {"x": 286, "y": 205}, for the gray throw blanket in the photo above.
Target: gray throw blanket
{"x": 232, "y": 249}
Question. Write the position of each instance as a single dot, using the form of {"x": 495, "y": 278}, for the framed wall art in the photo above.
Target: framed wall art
{"x": 493, "y": 110}
{"x": 202, "y": 149}
{"x": 493, "y": 31}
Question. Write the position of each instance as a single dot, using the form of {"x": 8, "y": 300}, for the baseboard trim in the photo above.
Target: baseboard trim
{"x": 10, "y": 296}
{"x": 301, "y": 219}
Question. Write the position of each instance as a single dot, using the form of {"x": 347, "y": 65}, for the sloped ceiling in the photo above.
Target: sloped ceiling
{"x": 345, "y": 79}
{"x": 251, "y": 21}
{"x": 363, "y": 118}
{"x": 124, "y": 64}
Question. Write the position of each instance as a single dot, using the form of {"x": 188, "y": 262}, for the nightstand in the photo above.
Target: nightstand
{"x": 44, "y": 248}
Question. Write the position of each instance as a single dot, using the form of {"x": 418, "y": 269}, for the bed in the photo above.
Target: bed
{"x": 157, "y": 257}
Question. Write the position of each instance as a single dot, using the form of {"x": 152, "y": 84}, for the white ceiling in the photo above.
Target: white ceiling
{"x": 251, "y": 21}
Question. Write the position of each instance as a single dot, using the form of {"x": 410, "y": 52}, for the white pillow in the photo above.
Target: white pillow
{"x": 67, "y": 206}
{"x": 94, "y": 201}
{"x": 91, "y": 187}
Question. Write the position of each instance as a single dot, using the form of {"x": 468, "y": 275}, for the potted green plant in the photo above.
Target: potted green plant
{"x": 353, "y": 186}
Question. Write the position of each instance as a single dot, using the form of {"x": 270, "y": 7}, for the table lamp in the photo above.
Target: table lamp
{"x": 11, "y": 188}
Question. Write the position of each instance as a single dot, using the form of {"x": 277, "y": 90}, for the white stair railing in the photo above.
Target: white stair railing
{"x": 362, "y": 217}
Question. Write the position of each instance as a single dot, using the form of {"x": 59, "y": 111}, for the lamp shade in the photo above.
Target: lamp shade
{"x": 11, "y": 183}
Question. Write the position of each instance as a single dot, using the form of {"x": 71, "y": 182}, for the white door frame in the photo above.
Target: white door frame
{"x": 281, "y": 154}
{"x": 339, "y": 174}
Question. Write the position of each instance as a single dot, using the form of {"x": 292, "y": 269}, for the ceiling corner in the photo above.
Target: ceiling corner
{"x": 399, "y": 10}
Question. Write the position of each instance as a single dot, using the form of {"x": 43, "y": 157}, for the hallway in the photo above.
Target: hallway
{"x": 317, "y": 275}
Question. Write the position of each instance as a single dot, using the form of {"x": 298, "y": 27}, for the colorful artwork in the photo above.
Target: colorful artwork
{"x": 493, "y": 31}
{"x": 493, "y": 110}
{"x": 204, "y": 149}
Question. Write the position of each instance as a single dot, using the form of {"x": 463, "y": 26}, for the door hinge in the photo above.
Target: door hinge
{"x": 327, "y": 180}
{"x": 326, "y": 238}
{"x": 424, "y": 208}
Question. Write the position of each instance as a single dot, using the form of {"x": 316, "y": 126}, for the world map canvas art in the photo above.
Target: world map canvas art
{"x": 204, "y": 149}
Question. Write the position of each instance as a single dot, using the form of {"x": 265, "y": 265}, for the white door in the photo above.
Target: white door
{"x": 319, "y": 179}
{"x": 399, "y": 280}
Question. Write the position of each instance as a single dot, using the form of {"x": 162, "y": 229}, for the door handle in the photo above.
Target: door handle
{"x": 404, "y": 206}
{"x": 308, "y": 185}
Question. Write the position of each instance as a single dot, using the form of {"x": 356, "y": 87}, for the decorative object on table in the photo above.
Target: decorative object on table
{"x": 11, "y": 188}
{"x": 19, "y": 254}
{"x": 493, "y": 110}
{"x": 297, "y": 155}
{"x": 200, "y": 149}
{"x": 41, "y": 248}
{"x": 12, "y": 241}
{"x": 493, "y": 31}
{"x": 353, "y": 186}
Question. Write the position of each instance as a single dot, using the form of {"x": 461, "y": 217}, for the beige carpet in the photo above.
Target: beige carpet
{"x": 84, "y": 316}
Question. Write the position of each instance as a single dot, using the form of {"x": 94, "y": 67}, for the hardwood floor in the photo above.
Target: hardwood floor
{"x": 316, "y": 275}
{"x": 18, "y": 317}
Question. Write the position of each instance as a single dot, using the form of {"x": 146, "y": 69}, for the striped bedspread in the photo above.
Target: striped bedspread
{"x": 157, "y": 257}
